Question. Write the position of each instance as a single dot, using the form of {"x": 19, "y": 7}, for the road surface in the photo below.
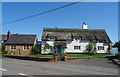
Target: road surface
{"x": 97, "y": 66}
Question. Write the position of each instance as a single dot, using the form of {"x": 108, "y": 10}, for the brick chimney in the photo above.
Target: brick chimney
{"x": 8, "y": 34}
{"x": 84, "y": 26}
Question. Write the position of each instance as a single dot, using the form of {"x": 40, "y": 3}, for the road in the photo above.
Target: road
{"x": 97, "y": 66}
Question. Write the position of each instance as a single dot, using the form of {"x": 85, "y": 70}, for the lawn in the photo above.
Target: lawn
{"x": 69, "y": 55}
{"x": 40, "y": 55}
{"x": 72, "y": 55}
{"x": 86, "y": 55}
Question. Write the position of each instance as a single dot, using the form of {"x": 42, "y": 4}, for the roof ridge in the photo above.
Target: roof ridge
{"x": 25, "y": 34}
{"x": 72, "y": 29}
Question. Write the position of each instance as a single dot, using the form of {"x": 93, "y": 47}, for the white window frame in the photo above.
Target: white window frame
{"x": 77, "y": 47}
{"x": 13, "y": 47}
{"x": 101, "y": 48}
{"x": 26, "y": 47}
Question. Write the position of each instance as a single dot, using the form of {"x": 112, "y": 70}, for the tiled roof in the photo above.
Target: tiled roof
{"x": 21, "y": 39}
{"x": 4, "y": 37}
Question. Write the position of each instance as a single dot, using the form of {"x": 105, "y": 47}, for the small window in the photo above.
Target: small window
{"x": 100, "y": 47}
{"x": 26, "y": 47}
{"x": 76, "y": 38}
{"x": 101, "y": 41}
{"x": 51, "y": 38}
{"x": 77, "y": 47}
{"x": 13, "y": 47}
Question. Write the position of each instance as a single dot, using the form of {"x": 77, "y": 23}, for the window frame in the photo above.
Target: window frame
{"x": 101, "y": 48}
{"x": 26, "y": 47}
{"x": 77, "y": 47}
{"x": 13, "y": 47}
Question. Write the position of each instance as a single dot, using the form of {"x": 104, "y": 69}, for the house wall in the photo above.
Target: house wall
{"x": 71, "y": 44}
{"x": 19, "y": 49}
{"x": 83, "y": 44}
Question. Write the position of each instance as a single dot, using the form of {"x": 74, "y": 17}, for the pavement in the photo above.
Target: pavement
{"x": 96, "y": 66}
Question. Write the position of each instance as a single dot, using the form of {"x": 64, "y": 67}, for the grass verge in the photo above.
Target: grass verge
{"x": 86, "y": 55}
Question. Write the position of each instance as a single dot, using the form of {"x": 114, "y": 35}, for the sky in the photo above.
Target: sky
{"x": 97, "y": 15}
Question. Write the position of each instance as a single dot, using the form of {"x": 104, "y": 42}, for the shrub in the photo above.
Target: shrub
{"x": 4, "y": 52}
{"x": 91, "y": 48}
{"x": 118, "y": 55}
{"x": 35, "y": 50}
{"x": 3, "y": 48}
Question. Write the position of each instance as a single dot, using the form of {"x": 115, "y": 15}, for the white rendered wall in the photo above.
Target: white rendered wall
{"x": 83, "y": 44}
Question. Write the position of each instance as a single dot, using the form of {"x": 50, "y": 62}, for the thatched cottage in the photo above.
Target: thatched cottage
{"x": 74, "y": 40}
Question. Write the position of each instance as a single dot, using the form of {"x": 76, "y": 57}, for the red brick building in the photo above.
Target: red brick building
{"x": 20, "y": 43}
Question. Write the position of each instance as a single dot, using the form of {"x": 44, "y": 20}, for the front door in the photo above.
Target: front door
{"x": 59, "y": 49}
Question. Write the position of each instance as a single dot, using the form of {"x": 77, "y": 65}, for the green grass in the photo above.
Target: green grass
{"x": 40, "y": 55}
{"x": 69, "y": 55}
{"x": 86, "y": 55}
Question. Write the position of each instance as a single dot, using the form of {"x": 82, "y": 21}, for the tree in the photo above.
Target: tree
{"x": 91, "y": 48}
{"x": 3, "y": 49}
{"x": 94, "y": 48}
{"x": 116, "y": 45}
{"x": 35, "y": 50}
{"x": 45, "y": 46}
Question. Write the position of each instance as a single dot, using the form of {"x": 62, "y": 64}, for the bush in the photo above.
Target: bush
{"x": 91, "y": 48}
{"x": 35, "y": 50}
{"x": 118, "y": 55}
{"x": 4, "y": 52}
{"x": 12, "y": 53}
{"x": 3, "y": 48}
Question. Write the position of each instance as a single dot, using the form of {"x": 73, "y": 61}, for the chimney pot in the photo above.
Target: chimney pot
{"x": 8, "y": 34}
{"x": 84, "y": 26}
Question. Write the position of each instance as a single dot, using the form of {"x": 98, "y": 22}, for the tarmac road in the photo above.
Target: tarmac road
{"x": 97, "y": 66}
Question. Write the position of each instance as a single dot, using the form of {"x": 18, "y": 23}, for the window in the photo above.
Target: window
{"x": 51, "y": 38}
{"x": 76, "y": 38}
{"x": 13, "y": 47}
{"x": 25, "y": 47}
{"x": 77, "y": 47}
{"x": 101, "y": 41}
{"x": 100, "y": 47}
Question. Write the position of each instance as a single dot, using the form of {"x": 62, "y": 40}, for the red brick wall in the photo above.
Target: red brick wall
{"x": 19, "y": 49}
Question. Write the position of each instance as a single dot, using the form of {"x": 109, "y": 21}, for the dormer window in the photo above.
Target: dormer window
{"x": 76, "y": 38}
{"x": 51, "y": 38}
{"x": 101, "y": 41}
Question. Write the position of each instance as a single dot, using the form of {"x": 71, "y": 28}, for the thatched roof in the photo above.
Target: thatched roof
{"x": 63, "y": 43}
{"x": 67, "y": 34}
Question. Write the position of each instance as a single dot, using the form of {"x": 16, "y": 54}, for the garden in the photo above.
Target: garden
{"x": 91, "y": 52}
